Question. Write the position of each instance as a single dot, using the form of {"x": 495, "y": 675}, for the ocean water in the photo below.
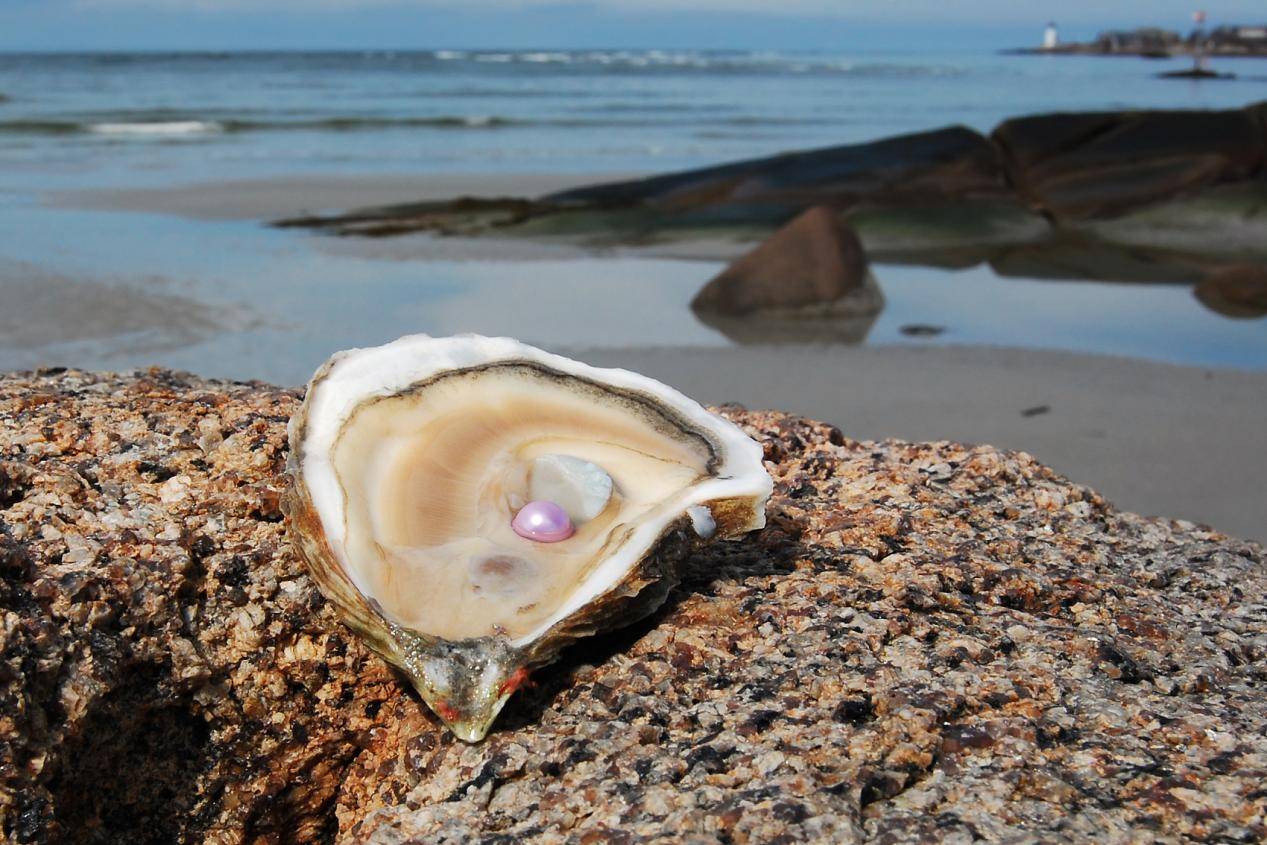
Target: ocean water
{"x": 103, "y": 121}
{"x": 146, "y": 118}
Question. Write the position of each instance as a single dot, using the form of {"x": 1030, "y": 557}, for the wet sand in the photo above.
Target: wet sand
{"x": 289, "y": 196}
{"x": 1157, "y": 439}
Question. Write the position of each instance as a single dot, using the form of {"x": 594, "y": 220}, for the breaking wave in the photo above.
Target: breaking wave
{"x": 194, "y": 128}
{"x": 157, "y": 128}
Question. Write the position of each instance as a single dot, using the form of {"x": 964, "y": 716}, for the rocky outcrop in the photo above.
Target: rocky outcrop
{"x": 923, "y": 168}
{"x": 815, "y": 262}
{"x": 1191, "y": 182}
{"x": 1100, "y": 164}
{"x": 930, "y": 642}
{"x": 950, "y": 169}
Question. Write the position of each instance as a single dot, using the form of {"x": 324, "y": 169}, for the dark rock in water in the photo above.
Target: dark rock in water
{"x": 921, "y": 168}
{"x": 1195, "y": 73}
{"x": 1098, "y": 164}
{"x": 1236, "y": 291}
{"x": 930, "y": 642}
{"x": 816, "y": 260}
{"x": 922, "y": 330}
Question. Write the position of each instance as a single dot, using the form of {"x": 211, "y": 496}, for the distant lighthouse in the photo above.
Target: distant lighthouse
{"x": 1051, "y": 38}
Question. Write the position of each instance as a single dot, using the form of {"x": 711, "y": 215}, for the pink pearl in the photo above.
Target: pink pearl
{"x": 542, "y": 522}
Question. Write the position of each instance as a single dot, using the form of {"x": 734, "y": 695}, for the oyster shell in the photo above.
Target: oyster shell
{"x": 409, "y": 462}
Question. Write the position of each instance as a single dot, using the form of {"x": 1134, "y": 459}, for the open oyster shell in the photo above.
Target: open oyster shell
{"x": 410, "y": 461}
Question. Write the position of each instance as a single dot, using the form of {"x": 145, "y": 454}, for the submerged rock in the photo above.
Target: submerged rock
{"x": 816, "y": 262}
{"x": 1195, "y": 73}
{"x": 1236, "y": 291}
{"x": 931, "y": 642}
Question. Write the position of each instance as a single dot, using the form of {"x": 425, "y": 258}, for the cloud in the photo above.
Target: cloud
{"x": 834, "y": 8}
{"x": 1174, "y": 13}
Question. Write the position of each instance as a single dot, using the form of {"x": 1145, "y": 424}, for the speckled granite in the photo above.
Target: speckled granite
{"x": 931, "y": 642}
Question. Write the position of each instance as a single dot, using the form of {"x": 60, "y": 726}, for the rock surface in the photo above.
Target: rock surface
{"x": 1099, "y": 164}
{"x": 1188, "y": 187}
{"x": 915, "y": 169}
{"x": 815, "y": 260}
{"x": 1239, "y": 291}
{"x": 930, "y": 642}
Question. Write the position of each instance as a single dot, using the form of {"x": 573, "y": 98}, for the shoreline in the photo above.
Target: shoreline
{"x": 273, "y": 197}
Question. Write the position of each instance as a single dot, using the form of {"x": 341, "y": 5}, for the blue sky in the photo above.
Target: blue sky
{"x": 747, "y": 24}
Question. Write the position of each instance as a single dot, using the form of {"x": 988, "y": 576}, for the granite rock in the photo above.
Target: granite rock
{"x": 930, "y": 642}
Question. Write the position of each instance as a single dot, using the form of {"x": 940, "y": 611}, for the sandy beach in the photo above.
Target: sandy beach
{"x": 1155, "y": 439}
{"x": 276, "y": 197}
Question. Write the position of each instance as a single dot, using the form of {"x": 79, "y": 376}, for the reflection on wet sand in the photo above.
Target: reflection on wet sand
{"x": 849, "y": 330}
{"x": 1224, "y": 287}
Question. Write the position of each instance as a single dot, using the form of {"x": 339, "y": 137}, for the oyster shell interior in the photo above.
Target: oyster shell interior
{"x": 472, "y": 505}
{"x": 432, "y": 479}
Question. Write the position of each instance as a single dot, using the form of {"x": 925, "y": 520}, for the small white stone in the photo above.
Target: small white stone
{"x": 581, "y": 488}
{"x": 174, "y": 489}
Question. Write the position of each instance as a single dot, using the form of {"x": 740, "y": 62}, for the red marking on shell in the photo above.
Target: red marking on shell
{"x": 518, "y": 679}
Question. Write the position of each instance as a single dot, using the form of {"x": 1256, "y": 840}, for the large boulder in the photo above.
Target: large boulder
{"x": 1099, "y": 164}
{"x": 814, "y": 262}
{"x": 917, "y": 169}
{"x": 930, "y": 642}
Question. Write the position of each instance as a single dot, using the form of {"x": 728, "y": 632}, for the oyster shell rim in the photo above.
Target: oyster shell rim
{"x": 467, "y": 682}
{"x": 732, "y": 444}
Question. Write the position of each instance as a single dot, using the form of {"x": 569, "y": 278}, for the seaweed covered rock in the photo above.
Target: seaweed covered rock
{"x": 930, "y": 642}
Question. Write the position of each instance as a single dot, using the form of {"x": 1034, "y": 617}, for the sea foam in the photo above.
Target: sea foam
{"x": 158, "y": 128}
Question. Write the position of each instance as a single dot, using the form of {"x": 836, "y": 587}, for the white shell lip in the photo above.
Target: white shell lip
{"x": 356, "y": 375}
